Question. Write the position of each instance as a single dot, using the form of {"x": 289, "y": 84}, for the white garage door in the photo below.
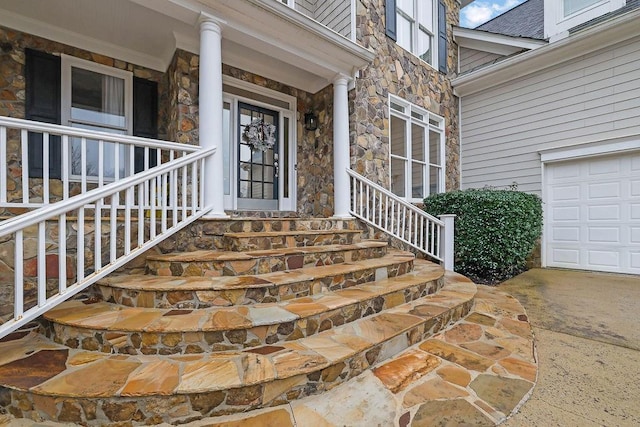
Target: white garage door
{"x": 592, "y": 213}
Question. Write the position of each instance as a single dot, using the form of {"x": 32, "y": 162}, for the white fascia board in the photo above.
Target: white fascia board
{"x": 590, "y": 149}
{"x": 61, "y": 35}
{"x": 499, "y": 44}
{"x": 589, "y": 40}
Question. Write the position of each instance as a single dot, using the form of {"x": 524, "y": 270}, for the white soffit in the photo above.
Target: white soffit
{"x": 498, "y": 44}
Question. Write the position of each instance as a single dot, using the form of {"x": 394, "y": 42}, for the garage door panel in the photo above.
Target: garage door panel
{"x": 566, "y": 193}
{"x": 603, "y": 258}
{"x": 604, "y": 235}
{"x": 592, "y": 213}
{"x": 604, "y": 190}
{"x": 564, "y": 172}
{"x": 604, "y": 213}
{"x": 604, "y": 167}
{"x": 569, "y": 214}
{"x": 634, "y": 260}
{"x": 568, "y": 257}
{"x": 566, "y": 234}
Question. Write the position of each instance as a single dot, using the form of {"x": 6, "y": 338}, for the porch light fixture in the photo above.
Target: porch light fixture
{"x": 310, "y": 121}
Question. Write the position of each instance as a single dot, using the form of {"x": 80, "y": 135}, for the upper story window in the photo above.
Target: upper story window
{"x": 288, "y": 2}
{"x": 420, "y": 27}
{"x": 415, "y": 25}
{"x": 416, "y": 139}
{"x": 573, "y": 6}
{"x": 562, "y": 15}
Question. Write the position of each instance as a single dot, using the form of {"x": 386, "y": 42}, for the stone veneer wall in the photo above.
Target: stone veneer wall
{"x": 395, "y": 71}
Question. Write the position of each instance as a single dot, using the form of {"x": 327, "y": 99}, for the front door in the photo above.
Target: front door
{"x": 257, "y": 144}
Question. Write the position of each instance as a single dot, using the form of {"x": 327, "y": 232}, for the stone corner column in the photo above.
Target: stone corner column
{"x": 341, "y": 155}
{"x": 210, "y": 112}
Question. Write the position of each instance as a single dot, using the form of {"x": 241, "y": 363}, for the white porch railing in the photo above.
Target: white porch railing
{"x": 61, "y": 248}
{"x": 85, "y": 160}
{"x": 384, "y": 210}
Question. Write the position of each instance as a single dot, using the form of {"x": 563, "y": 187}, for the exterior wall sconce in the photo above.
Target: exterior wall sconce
{"x": 310, "y": 121}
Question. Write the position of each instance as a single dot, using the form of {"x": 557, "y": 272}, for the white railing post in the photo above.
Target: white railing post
{"x": 341, "y": 188}
{"x": 447, "y": 242}
{"x": 210, "y": 112}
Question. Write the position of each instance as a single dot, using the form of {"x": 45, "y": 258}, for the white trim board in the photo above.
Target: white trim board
{"x": 590, "y": 149}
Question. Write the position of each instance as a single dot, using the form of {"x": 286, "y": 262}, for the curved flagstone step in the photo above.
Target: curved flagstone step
{"x": 106, "y": 327}
{"x": 49, "y": 381}
{"x": 225, "y": 263}
{"x": 249, "y": 241}
{"x": 423, "y": 386}
{"x": 199, "y": 292}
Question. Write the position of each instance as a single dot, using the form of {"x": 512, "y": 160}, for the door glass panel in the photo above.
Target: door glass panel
{"x": 226, "y": 155}
{"x": 284, "y": 160}
{"x": 257, "y": 168}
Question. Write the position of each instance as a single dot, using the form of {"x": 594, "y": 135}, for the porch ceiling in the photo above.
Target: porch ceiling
{"x": 261, "y": 36}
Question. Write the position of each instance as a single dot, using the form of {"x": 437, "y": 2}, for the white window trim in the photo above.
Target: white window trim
{"x": 556, "y": 25}
{"x": 439, "y": 128}
{"x": 67, "y": 62}
{"x": 416, "y": 30}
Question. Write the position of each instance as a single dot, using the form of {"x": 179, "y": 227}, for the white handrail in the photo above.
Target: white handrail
{"x": 178, "y": 182}
{"x": 85, "y": 159}
{"x": 400, "y": 219}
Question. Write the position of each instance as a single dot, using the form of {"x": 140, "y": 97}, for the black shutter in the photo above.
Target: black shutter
{"x": 390, "y": 14}
{"x": 442, "y": 37}
{"x": 145, "y": 118}
{"x": 42, "y": 80}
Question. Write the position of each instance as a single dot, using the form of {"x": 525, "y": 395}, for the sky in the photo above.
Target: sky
{"x": 480, "y": 11}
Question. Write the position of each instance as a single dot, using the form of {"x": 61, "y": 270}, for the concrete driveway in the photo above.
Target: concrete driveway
{"x": 587, "y": 328}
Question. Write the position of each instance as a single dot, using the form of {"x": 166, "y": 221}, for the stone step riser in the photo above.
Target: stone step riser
{"x": 176, "y": 409}
{"x": 190, "y": 299}
{"x": 262, "y": 265}
{"x": 253, "y": 225}
{"x": 254, "y": 243}
{"x": 113, "y": 341}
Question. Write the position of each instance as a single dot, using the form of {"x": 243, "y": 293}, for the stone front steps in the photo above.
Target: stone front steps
{"x": 200, "y": 292}
{"x": 107, "y": 327}
{"x": 146, "y": 349}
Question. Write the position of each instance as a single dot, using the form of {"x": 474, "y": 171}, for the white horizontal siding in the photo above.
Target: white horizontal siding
{"x": 472, "y": 58}
{"x": 588, "y": 99}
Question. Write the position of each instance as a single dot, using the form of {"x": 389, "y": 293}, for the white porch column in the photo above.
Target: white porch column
{"x": 341, "y": 155}
{"x": 210, "y": 112}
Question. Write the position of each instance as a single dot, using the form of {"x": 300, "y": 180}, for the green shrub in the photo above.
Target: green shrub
{"x": 495, "y": 230}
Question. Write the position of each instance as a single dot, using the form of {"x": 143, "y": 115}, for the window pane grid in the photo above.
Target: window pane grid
{"x": 416, "y": 139}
